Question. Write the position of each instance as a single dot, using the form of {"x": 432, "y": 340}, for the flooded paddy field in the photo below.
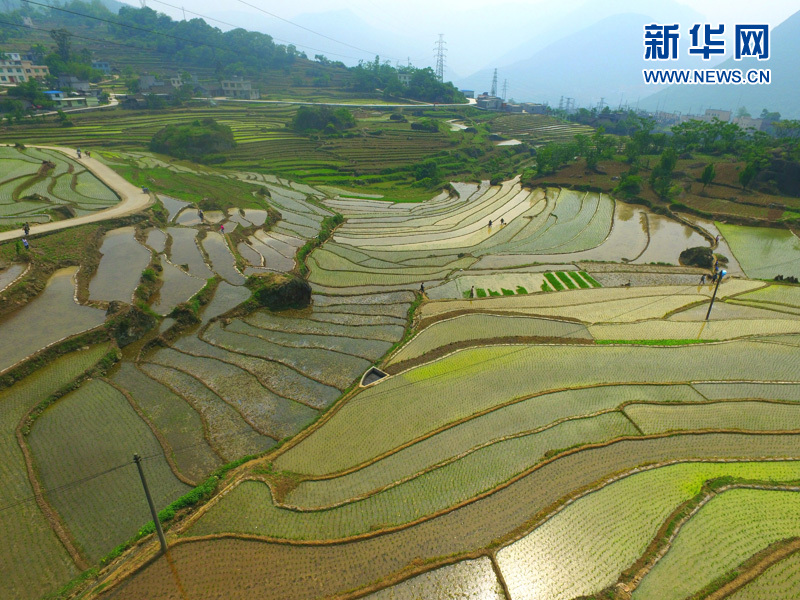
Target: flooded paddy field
{"x": 579, "y": 396}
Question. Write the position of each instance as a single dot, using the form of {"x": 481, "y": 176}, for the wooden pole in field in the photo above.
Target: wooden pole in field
{"x": 153, "y": 512}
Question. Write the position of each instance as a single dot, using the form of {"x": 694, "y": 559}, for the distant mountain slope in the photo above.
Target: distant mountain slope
{"x": 782, "y": 95}
{"x": 604, "y": 60}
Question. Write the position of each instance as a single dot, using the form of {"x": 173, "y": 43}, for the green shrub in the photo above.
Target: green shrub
{"x": 506, "y": 292}
{"x": 480, "y": 292}
{"x": 521, "y": 290}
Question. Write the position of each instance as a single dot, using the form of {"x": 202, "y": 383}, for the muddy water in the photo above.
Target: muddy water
{"x": 222, "y": 259}
{"x": 185, "y": 252}
{"x": 156, "y": 239}
{"x": 178, "y": 287}
{"x": 668, "y": 239}
{"x": 7, "y": 276}
{"x": 52, "y": 315}
{"x": 627, "y": 240}
{"x": 120, "y": 268}
{"x": 172, "y": 205}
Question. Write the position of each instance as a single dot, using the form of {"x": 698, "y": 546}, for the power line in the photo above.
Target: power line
{"x": 207, "y": 18}
{"x": 81, "y": 37}
{"x": 327, "y": 37}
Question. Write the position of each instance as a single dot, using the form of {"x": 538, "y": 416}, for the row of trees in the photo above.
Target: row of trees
{"x": 423, "y": 84}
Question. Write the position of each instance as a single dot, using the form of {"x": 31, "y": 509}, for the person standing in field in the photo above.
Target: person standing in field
{"x": 25, "y": 243}
{"x": 472, "y": 292}
{"x": 222, "y": 228}
{"x": 26, "y": 228}
{"x": 702, "y": 279}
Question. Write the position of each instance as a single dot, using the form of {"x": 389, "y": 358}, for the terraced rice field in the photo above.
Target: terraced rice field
{"x": 120, "y": 267}
{"x": 726, "y": 531}
{"x": 29, "y": 191}
{"x": 39, "y": 562}
{"x": 763, "y": 253}
{"x": 51, "y": 316}
{"x": 524, "y": 444}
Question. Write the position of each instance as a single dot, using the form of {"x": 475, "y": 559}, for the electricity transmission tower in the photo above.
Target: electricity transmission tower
{"x": 494, "y": 84}
{"x": 505, "y": 88}
{"x": 440, "y": 52}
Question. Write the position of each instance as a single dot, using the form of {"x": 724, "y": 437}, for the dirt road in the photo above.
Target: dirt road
{"x": 132, "y": 198}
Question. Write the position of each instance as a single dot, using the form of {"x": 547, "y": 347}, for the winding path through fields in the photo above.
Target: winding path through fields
{"x": 132, "y": 198}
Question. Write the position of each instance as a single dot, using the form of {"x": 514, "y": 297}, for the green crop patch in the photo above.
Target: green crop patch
{"x": 565, "y": 279}
{"x": 554, "y": 281}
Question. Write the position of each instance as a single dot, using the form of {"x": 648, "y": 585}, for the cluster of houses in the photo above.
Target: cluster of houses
{"x": 489, "y": 102}
{"x": 71, "y": 92}
{"x": 20, "y": 68}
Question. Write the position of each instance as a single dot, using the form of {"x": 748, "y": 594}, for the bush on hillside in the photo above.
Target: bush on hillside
{"x": 322, "y": 118}
{"x": 203, "y": 140}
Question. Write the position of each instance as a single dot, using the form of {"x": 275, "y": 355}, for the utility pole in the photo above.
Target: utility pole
{"x": 505, "y": 88}
{"x": 440, "y": 54}
{"x": 184, "y": 13}
{"x": 137, "y": 459}
{"x": 720, "y": 275}
{"x": 494, "y": 84}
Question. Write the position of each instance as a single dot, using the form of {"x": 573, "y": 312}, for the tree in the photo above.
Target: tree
{"x": 708, "y": 175}
{"x": 62, "y": 38}
{"x": 742, "y": 112}
{"x": 747, "y": 174}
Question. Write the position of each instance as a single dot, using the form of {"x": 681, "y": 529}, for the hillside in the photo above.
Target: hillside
{"x": 140, "y": 40}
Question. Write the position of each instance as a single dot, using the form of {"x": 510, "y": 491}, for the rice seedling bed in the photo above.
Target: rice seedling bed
{"x": 393, "y": 311}
{"x": 327, "y": 367}
{"x": 763, "y": 252}
{"x": 474, "y": 327}
{"x": 786, "y": 312}
{"x": 89, "y": 186}
{"x": 184, "y": 251}
{"x": 528, "y": 415}
{"x": 368, "y": 349}
{"x": 279, "y": 378}
{"x": 382, "y": 299}
{"x": 747, "y": 390}
{"x": 780, "y": 582}
{"x": 336, "y": 568}
{"x": 775, "y": 294}
{"x": 248, "y": 508}
{"x": 88, "y": 432}
{"x": 34, "y": 561}
{"x": 228, "y": 433}
{"x": 697, "y": 330}
{"x": 300, "y": 325}
{"x": 49, "y": 317}
{"x": 585, "y": 547}
{"x": 355, "y": 320}
{"x": 484, "y": 377}
{"x": 732, "y": 527}
{"x": 269, "y": 413}
{"x": 466, "y": 579}
{"x": 745, "y": 416}
{"x": 180, "y": 424}
{"x": 120, "y": 267}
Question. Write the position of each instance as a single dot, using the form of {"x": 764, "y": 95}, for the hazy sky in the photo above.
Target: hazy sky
{"x": 477, "y": 31}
